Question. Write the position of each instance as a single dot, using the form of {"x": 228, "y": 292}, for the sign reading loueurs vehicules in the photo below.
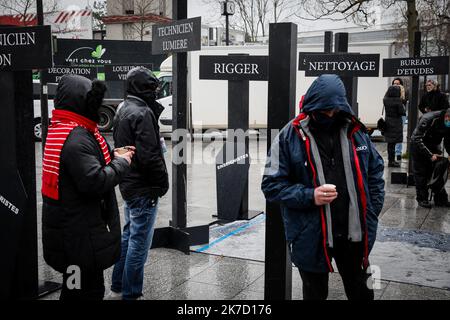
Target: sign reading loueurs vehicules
{"x": 25, "y": 48}
{"x": 119, "y": 72}
{"x": 179, "y": 36}
{"x": 425, "y": 66}
{"x": 346, "y": 64}
{"x": 253, "y": 68}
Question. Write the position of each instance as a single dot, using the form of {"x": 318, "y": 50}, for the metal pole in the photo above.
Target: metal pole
{"x": 328, "y": 42}
{"x": 43, "y": 90}
{"x": 350, "y": 83}
{"x": 412, "y": 111}
{"x": 227, "y": 26}
{"x": 179, "y": 177}
{"x": 281, "y": 109}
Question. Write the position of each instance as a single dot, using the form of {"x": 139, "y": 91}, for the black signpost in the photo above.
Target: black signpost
{"x": 179, "y": 37}
{"x": 233, "y": 162}
{"x": 21, "y": 49}
{"x": 414, "y": 67}
{"x": 349, "y": 66}
{"x": 281, "y": 109}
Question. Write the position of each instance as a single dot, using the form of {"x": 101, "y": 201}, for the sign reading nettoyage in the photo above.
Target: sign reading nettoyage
{"x": 179, "y": 36}
{"x": 423, "y": 66}
{"x": 234, "y": 67}
{"x": 345, "y": 64}
{"x": 25, "y": 48}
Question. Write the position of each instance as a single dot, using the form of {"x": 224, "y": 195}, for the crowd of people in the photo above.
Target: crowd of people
{"x": 322, "y": 169}
{"x": 426, "y": 150}
{"x": 80, "y": 218}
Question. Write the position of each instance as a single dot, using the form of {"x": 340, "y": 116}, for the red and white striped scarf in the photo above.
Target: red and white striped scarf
{"x": 62, "y": 124}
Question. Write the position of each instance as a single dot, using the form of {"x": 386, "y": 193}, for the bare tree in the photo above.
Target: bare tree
{"x": 24, "y": 7}
{"x": 140, "y": 11}
{"x": 98, "y": 12}
{"x": 283, "y": 9}
{"x": 253, "y": 16}
{"x": 361, "y": 12}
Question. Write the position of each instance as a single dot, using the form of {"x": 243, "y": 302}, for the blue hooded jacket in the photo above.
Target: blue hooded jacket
{"x": 293, "y": 171}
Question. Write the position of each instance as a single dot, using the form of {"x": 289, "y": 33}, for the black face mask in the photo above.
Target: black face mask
{"x": 149, "y": 96}
{"x": 323, "y": 121}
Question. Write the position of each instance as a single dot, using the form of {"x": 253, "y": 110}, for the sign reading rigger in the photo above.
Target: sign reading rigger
{"x": 179, "y": 36}
{"x": 345, "y": 64}
{"x": 425, "y": 66}
{"x": 25, "y": 48}
{"x": 253, "y": 68}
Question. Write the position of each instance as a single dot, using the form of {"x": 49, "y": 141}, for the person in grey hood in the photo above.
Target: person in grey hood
{"x": 328, "y": 178}
{"x": 136, "y": 124}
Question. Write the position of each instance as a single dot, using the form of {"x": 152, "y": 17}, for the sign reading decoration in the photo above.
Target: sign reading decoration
{"x": 234, "y": 67}
{"x": 54, "y": 75}
{"x": 423, "y": 66}
{"x": 343, "y": 64}
{"x": 25, "y": 48}
{"x": 179, "y": 36}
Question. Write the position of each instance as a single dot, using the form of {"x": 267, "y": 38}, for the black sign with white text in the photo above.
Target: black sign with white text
{"x": 423, "y": 66}
{"x": 119, "y": 72}
{"x": 53, "y": 75}
{"x": 343, "y": 64}
{"x": 179, "y": 36}
{"x": 25, "y": 48}
{"x": 253, "y": 68}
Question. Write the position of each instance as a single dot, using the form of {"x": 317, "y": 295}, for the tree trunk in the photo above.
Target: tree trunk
{"x": 413, "y": 24}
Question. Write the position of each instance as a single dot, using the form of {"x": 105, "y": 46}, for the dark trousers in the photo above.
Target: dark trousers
{"x": 92, "y": 286}
{"x": 391, "y": 151}
{"x": 423, "y": 169}
{"x": 348, "y": 256}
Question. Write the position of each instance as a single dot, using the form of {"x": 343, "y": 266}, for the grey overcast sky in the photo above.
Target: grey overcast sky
{"x": 211, "y": 17}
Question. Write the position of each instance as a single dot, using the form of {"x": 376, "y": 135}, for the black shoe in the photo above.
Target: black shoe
{"x": 399, "y": 157}
{"x": 394, "y": 164}
{"x": 425, "y": 204}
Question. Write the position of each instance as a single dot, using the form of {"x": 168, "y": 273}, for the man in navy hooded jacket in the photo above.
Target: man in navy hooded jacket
{"x": 324, "y": 146}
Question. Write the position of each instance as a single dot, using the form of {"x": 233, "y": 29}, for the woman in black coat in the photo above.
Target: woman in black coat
{"x": 80, "y": 218}
{"x": 393, "y": 133}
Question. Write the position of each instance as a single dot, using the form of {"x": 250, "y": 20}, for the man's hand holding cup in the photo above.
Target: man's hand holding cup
{"x": 325, "y": 194}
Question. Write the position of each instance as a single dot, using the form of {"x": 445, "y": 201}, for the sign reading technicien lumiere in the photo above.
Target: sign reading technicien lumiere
{"x": 179, "y": 36}
{"x": 25, "y": 48}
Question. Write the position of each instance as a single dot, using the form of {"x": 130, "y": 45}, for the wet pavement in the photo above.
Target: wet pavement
{"x": 412, "y": 251}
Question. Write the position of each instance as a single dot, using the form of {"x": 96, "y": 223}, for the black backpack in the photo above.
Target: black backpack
{"x": 381, "y": 125}
{"x": 439, "y": 176}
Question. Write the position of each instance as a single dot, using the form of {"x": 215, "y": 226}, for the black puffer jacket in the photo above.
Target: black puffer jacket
{"x": 429, "y": 134}
{"x": 82, "y": 228}
{"x": 136, "y": 124}
{"x": 394, "y": 110}
{"x": 434, "y": 100}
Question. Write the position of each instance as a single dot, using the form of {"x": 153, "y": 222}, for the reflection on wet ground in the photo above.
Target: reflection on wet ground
{"x": 412, "y": 248}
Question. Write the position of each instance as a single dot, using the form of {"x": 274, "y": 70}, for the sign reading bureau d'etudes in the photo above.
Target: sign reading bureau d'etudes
{"x": 343, "y": 64}
{"x": 25, "y": 48}
{"x": 178, "y": 36}
{"x": 420, "y": 66}
{"x": 234, "y": 67}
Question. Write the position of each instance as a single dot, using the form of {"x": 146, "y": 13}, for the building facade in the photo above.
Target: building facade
{"x": 133, "y": 19}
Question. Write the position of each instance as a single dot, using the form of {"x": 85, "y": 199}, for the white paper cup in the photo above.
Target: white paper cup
{"x": 329, "y": 186}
